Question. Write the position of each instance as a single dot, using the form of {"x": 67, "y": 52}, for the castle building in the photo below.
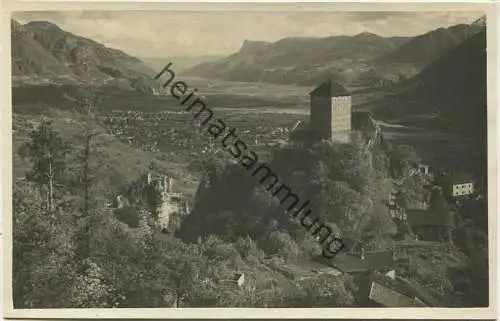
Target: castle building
{"x": 162, "y": 200}
{"x": 331, "y": 112}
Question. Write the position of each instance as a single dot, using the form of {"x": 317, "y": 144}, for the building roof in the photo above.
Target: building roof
{"x": 399, "y": 292}
{"x": 330, "y": 88}
{"x": 427, "y": 217}
{"x": 373, "y": 261}
{"x": 455, "y": 177}
{"x": 461, "y": 179}
{"x": 421, "y": 292}
{"x": 387, "y": 296}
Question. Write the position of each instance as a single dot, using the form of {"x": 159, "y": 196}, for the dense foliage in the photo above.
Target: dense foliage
{"x": 67, "y": 257}
{"x": 71, "y": 251}
{"x": 344, "y": 189}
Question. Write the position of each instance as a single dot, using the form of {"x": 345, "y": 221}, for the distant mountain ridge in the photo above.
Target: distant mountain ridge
{"x": 298, "y": 59}
{"x": 180, "y": 62}
{"x": 43, "y": 52}
{"x": 362, "y": 60}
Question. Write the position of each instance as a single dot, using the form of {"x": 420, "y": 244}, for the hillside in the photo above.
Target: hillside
{"x": 430, "y": 46}
{"x": 42, "y": 52}
{"x": 450, "y": 90}
{"x": 120, "y": 163}
{"x": 30, "y": 57}
{"x": 363, "y": 60}
{"x": 448, "y": 96}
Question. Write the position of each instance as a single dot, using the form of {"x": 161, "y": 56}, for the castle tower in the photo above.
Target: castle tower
{"x": 331, "y": 111}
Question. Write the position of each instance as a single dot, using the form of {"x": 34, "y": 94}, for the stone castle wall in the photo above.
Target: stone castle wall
{"x": 341, "y": 118}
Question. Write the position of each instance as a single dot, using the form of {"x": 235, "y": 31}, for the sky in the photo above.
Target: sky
{"x": 196, "y": 33}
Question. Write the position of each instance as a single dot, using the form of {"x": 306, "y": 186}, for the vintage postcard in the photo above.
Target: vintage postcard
{"x": 285, "y": 160}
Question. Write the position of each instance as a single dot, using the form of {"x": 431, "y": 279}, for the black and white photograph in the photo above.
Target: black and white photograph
{"x": 266, "y": 158}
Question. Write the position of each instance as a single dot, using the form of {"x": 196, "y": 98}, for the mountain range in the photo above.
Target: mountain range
{"x": 362, "y": 60}
{"x": 44, "y": 53}
{"x": 437, "y": 79}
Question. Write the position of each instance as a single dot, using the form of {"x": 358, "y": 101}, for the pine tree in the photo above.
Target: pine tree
{"x": 47, "y": 151}
{"x": 87, "y": 107}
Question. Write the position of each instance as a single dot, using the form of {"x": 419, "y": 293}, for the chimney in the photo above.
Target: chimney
{"x": 362, "y": 253}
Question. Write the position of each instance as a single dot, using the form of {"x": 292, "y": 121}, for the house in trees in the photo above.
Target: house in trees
{"x": 459, "y": 186}
{"x": 378, "y": 283}
{"x": 424, "y": 170}
{"x": 456, "y": 186}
